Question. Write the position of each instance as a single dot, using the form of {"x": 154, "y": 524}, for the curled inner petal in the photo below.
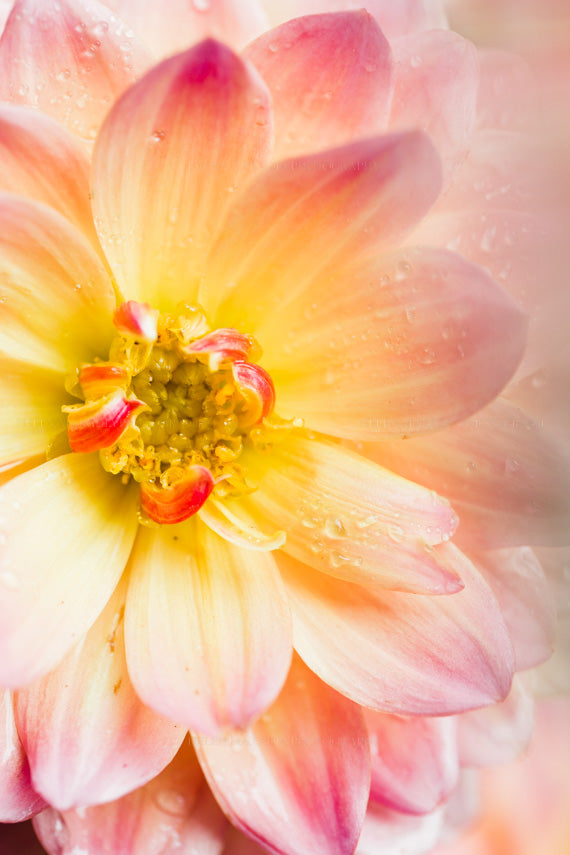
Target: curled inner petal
{"x": 223, "y": 345}
{"x": 256, "y": 386}
{"x": 179, "y": 501}
{"x": 98, "y": 424}
{"x": 136, "y": 319}
{"x": 100, "y": 378}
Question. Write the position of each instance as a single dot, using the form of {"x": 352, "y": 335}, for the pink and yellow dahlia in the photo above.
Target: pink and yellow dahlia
{"x": 234, "y": 378}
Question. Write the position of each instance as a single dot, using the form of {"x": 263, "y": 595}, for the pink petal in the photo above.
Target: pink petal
{"x": 70, "y": 58}
{"x": 499, "y": 733}
{"x": 66, "y": 532}
{"x": 196, "y": 126}
{"x": 256, "y": 387}
{"x": 88, "y": 737}
{"x": 395, "y": 19}
{"x": 411, "y": 343}
{"x": 303, "y": 220}
{"x": 18, "y": 799}
{"x": 330, "y": 77}
{"x": 99, "y": 424}
{"x": 207, "y": 673}
{"x": 56, "y": 297}
{"x": 389, "y": 831}
{"x": 29, "y": 139}
{"x": 436, "y": 77}
{"x": 137, "y": 320}
{"x": 173, "y": 813}
{"x": 297, "y": 780}
{"x": 526, "y": 600}
{"x": 350, "y": 518}
{"x": 402, "y": 653}
{"x": 234, "y": 23}
{"x": 414, "y": 761}
{"x": 508, "y": 96}
{"x": 506, "y": 478}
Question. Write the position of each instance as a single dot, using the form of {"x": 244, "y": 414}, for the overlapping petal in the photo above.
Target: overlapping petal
{"x": 402, "y": 653}
{"x": 207, "y": 628}
{"x": 350, "y": 518}
{"x": 56, "y": 298}
{"x": 330, "y": 77}
{"x": 298, "y": 779}
{"x": 73, "y": 762}
{"x": 70, "y": 59}
{"x": 506, "y": 478}
{"x": 175, "y": 812}
{"x": 186, "y": 136}
{"x": 415, "y": 341}
{"x": 18, "y": 799}
{"x": 303, "y": 219}
{"x": 67, "y": 528}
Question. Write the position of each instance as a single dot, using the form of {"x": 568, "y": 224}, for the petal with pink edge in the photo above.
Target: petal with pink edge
{"x": 415, "y": 341}
{"x": 234, "y": 23}
{"x": 350, "y": 518}
{"x": 505, "y": 476}
{"x": 298, "y": 779}
{"x": 73, "y": 762}
{"x": 18, "y": 799}
{"x": 436, "y": 76}
{"x": 175, "y": 812}
{"x": 499, "y": 733}
{"x": 166, "y": 164}
{"x": 304, "y": 219}
{"x": 395, "y": 833}
{"x": 414, "y": 761}
{"x": 29, "y": 140}
{"x": 56, "y": 299}
{"x": 70, "y": 59}
{"x": 207, "y": 628}
{"x": 30, "y": 416}
{"x": 67, "y": 528}
{"x": 523, "y": 592}
{"x": 395, "y": 19}
{"x": 402, "y": 653}
{"x": 330, "y": 77}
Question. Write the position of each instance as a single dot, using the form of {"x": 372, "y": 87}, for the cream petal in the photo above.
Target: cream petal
{"x": 414, "y": 760}
{"x": 67, "y": 528}
{"x": 499, "y": 733}
{"x": 166, "y": 163}
{"x": 234, "y": 23}
{"x": 402, "y": 653}
{"x": 29, "y": 140}
{"x": 416, "y": 341}
{"x": 297, "y": 780}
{"x": 56, "y": 299}
{"x": 436, "y": 77}
{"x": 18, "y": 799}
{"x": 175, "y": 812}
{"x": 207, "y": 628}
{"x": 504, "y": 475}
{"x": 330, "y": 77}
{"x": 73, "y": 762}
{"x": 350, "y": 518}
{"x": 69, "y": 58}
{"x": 30, "y": 416}
{"x": 395, "y": 833}
{"x": 304, "y": 219}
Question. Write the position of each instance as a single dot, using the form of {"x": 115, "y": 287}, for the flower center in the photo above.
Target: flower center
{"x": 173, "y": 408}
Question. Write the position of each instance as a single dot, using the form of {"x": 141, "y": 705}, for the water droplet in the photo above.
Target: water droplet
{"x": 333, "y": 527}
{"x": 157, "y": 136}
{"x": 511, "y": 466}
{"x": 9, "y": 580}
{"x": 201, "y": 5}
{"x": 416, "y": 61}
{"x": 309, "y": 522}
{"x": 172, "y": 802}
{"x": 339, "y": 559}
{"x": 273, "y": 47}
{"x": 488, "y": 239}
{"x": 410, "y": 314}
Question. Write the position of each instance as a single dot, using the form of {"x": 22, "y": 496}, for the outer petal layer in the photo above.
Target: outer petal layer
{"x": 415, "y": 341}
{"x": 88, "y": 737}
{"x": 173, "y": 813}
{"x": 330, "y": 77}
{"x": 56, "y": 299}
{"x": 18, "y": 800}
{"x": 403, "y": 653}
{"x": 304, "y": 219}
{"x": 171, "y": 153}
{"x": 71, "y": 59}
{"x": 297, "y": 780}
{"x": 67, "y": 528}
{"x": 207, "y": 628}
{"x": 352, "y": 519}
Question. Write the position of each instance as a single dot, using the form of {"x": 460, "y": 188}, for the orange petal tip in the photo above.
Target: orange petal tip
{"x": 99, "y": 424}
{"x": 184, "y": 498}
{"x": 138, "y": 320}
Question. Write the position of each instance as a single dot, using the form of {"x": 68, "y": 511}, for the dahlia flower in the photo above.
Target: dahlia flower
{"x": 241, "y": 382}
